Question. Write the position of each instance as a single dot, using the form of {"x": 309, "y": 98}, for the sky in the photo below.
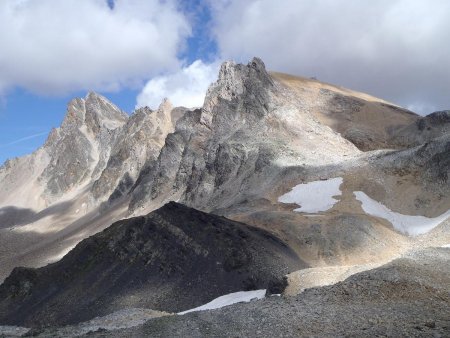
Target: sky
{"x": 136, "y": 52}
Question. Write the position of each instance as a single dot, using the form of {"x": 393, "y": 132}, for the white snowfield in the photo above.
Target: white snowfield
{"x": 232, "y": 298}
{"x": 314, "y": 196}
{"x": 446, "y": 246}
{"x": 407, "y": 224}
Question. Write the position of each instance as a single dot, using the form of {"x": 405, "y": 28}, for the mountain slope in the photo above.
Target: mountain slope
{"x": 247, "y": 132}
{"x": 423, "y": 130}
{"x": 77, "y": 183}
{"x": 255, "y": 139}
{"x": 72, "y": 156}
{"x": 364, "y": 120}
{"x": 138, "y": 146}
{"x": 408, "y": 297}
{"x": 173, "y": 259}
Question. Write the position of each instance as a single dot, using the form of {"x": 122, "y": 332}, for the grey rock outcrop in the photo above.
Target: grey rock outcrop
{"x": 427, "y": 170}
{"x": 137, "y": 146}
{"x": 220, "y": 154}
{"x": 79, "y": 149}
{"x": 423, "y": 130}
{"x": 192, "y": 154}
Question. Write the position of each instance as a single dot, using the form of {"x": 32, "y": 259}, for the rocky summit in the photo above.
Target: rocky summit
{"x": 336, "y": 201}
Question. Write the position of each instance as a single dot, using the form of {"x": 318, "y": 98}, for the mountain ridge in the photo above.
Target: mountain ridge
{"x": 257, "y": 133}
{"x": 173, "y": 259}
{"x": 262, "y": 149}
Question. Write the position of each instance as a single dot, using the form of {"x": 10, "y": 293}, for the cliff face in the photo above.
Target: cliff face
{"x": 80, "y": 148}
{"x": 73, "y": 155}
{"x": 249, "y": 129}
{"x": 137, "y": 146}
{"x": 98, "y": 148}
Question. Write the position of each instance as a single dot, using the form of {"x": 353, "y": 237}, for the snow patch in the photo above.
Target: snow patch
{"x": 446, "y": 246}
{"x": 314, "y": 196}
{"x": 232, "y": 298}
{"x": 407, "y": 224}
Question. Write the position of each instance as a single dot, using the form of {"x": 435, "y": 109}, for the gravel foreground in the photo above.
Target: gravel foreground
{"x": 409, "y": 297}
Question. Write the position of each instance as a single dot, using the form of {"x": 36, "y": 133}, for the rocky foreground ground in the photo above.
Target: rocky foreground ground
{"x": 409, "y": 297}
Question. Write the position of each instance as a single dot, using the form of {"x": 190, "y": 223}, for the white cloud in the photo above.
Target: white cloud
{"x": 186, "y": 87}
{"x": 50, "y": 46}
{"x": 395, "y": 49}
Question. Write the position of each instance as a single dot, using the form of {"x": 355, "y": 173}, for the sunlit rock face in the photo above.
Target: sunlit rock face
{"x": 137, "y": 146}
{"x": 80, "y": 148}
{"x": 248, "y": 131}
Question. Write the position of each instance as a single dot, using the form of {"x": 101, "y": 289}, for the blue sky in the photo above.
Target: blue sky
{"x": 135, "y": 52}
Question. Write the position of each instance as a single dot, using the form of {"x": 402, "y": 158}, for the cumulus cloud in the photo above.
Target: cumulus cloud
{"x": 51, "y": 46}
{"x": 394, "y": 49}
{"x": 186, "y": 87}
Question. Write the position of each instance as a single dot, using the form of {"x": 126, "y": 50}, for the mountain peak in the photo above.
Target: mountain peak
{"x": 165, "y": 105}
{"x": 164, "y": 110}
{"x": 93, "y": 95}
{"x": 230, "y": 69}
{"x": 75, "y": 114}
{"x": 82, "y": 143}
{"x": 95, "y": 111}
{"x": 257, "y": 63}
{"x": 234, "y": 81}
{"x": 100, "y": 112}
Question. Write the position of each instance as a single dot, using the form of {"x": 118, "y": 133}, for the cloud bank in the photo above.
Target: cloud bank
{"x": 394, "y": 49}
{"x": 186, "y": 87}
{"x": 52, "y": 47}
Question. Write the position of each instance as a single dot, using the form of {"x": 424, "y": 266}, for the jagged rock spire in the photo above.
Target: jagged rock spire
{"x": 164, "y": 108}
{"x": 81, "y": 146}
{"x": 235, "y": 79}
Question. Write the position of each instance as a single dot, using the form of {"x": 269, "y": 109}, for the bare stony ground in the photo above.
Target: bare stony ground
{"x": 409, "y": 297}
{"x": 118, "y": 320}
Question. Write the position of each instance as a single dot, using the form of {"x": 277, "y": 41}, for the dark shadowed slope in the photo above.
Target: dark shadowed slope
{"x": 409, "y": 297}
{"x": 423, "y": 130}
{"x": 173, "y": 259}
